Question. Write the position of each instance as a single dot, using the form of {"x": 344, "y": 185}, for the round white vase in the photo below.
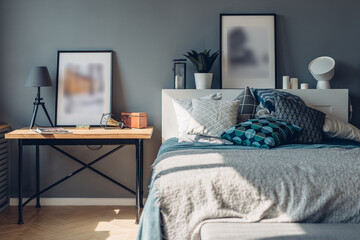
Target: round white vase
{"x": 203, "y": 80}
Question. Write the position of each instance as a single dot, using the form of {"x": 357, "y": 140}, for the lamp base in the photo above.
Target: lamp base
{"x": 323, "y": 85}
{"x": 38, "y": 103}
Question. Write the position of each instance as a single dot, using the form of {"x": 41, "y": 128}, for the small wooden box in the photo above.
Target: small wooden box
{"x": 134, "y": 119}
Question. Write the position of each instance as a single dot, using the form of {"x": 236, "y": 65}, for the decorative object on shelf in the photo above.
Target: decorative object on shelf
{"x": 179, "y": 73}
{"x": 322, "y": 69}
{"x": 39, "y": 77}
{"x": 108, "y": 121}
{"x": 286, "y": 82}
{"x": 84, "y": 87}
{"x": 203, "y": 63}
{"x": 294, "y": 83}
{"x": 248, "y": 56}
{"x": 304, "y": 86}
{"x": 135, "y": 119}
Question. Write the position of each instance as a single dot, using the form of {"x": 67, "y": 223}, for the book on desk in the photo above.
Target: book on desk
{"x": 52, "y": 131}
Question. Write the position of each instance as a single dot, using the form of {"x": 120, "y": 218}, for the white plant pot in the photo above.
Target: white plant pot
{"x": 203, "y": 80}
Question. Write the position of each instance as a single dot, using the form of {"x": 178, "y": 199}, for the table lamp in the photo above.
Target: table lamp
{"x": 322, "y": 69}
{"x": 39, "y": 77}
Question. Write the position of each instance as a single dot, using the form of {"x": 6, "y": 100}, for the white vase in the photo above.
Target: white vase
{"x": 203, "y": 80}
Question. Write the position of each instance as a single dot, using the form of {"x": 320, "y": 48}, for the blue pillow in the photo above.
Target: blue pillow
{"x": 310, "y": 120}
{"x": 263, "y": 132}
{"x": 267, "y": 97}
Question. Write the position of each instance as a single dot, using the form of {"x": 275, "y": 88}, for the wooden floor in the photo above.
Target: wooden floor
{"x": 69, "y": 223}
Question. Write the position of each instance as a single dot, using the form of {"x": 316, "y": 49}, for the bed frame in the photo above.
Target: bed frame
{"x": 333, "y": 102}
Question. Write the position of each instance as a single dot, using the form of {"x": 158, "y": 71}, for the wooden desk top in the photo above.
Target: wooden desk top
{"x": 92, "y": 133}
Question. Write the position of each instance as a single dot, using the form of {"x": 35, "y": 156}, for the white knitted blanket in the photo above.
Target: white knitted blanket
{"x": 298, "y": 185}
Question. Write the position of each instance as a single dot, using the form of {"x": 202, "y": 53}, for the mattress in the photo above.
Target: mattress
{"x": 277, "y": 231}
{"x": 150, "y": 224}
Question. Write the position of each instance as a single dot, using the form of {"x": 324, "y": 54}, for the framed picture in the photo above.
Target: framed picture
{"x": 248, "y": 50}
{"x": 83, "y": 87}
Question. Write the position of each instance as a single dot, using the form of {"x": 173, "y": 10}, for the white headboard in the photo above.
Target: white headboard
{"x": 333, "y": 102}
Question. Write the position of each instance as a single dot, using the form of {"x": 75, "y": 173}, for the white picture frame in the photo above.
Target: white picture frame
{"x": 248, "y": 50}
{"x": 83, "y": 87}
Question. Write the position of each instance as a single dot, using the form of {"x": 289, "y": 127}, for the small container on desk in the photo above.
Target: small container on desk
{"x": 134, "y": 119}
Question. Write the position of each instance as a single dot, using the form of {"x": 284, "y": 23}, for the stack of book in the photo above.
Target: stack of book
{"x": 51, "y": 131}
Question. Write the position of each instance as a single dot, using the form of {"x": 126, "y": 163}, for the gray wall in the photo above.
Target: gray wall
{"x": 146, "y": 36}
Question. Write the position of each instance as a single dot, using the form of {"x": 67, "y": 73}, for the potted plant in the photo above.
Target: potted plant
{"x": 203, "y": 62}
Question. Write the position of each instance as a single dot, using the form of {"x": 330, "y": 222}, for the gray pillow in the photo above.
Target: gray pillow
{"x": 310, "y": 120}
{"x": 212, "y": 117}
{"x": 247, "y": 106}
{"x": 183, "y": 109}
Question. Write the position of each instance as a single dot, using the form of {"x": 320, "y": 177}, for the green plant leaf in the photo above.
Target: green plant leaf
{"x": 193, "y": 61}
{"x": 202, "y": 61}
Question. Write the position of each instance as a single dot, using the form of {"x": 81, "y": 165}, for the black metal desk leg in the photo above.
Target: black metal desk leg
{"x": 20, "y": 207}
{"x": 141, "y": 172}
{"x": 37, "y": 177}
{"x": 137, "y": 145}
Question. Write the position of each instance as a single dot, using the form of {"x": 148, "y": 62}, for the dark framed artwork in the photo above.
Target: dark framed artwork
{"x": 248, "y": 50}
{"x": 83, "y": 87}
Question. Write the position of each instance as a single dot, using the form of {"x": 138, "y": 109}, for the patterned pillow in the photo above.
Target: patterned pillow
{"x": 310, "y": 120}
{"x": 261, "y": 132}
{"x": 247, "y": 106}
{"x": 212, "y": 117}
{"x": 267, "y": 97}
{"x": 183, "y": 109}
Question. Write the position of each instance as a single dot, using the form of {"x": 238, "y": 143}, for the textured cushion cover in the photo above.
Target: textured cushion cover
{"x": 310, "y": 120}
{"x": 247, "y": 106}
{"x": 183, "y": 109}
{"x": 334, "y": 128}
{"x": 212, "y": 118}
{"x": 261, "y": 133}
{"x": 267, "y": 97}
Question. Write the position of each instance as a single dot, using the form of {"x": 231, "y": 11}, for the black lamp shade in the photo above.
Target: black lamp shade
{"x": 39, "y": 77}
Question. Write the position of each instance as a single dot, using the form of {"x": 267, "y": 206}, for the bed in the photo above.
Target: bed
{"x": 218, "y": 191}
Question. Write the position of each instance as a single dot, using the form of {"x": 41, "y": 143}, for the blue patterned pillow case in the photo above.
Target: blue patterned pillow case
{"x": 261, "y": 132}
{"x": 267, "y": 97}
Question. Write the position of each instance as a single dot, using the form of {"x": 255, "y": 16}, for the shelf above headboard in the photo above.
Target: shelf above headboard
{"x": 333, "y": 102}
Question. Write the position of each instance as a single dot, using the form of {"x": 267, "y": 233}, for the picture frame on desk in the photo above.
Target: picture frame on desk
{"x": 248, "y": 50}
{"x": 83, "y": 87}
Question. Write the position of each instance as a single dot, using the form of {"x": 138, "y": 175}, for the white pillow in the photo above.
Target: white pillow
{"x": 211, "y": 118}
{"x": 183, "y": 109}
{"x": 338, "y": 129}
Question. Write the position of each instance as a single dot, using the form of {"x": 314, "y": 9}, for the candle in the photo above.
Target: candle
{"x": 178, "y": 82}
{"x": 304, "y": 86}
{"x": 286, "y": 82}
{"x": 294, "y": 83}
